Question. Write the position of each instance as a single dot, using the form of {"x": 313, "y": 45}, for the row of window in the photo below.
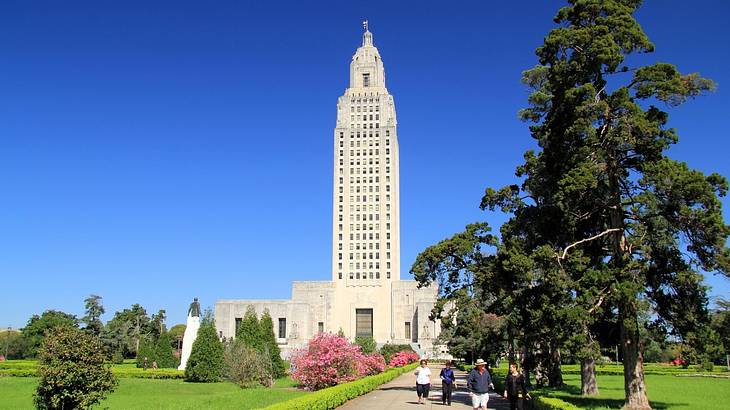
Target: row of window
{"x": 365, "y": 108}
{"x": 365, "y": 117}
{"x": 366, "y": 126}
{"x": 365, "y": 227}
{"x": 356, "y": 171}
{"x": 356, "y": 217}
{"x": 356, "y": 246}
{"x": 368, "y": 143}
{"x": 365, "y": 236}
{"x": 364, "y": 198}
{"x": 358, "y": 153}
{"x": 365, "y": 180}
{"x": 363, "y": 255}
{"x": 364, "y": 100}
{"x": 355, "y": 189}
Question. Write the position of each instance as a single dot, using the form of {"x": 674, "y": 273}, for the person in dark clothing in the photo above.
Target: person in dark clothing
{"x": 514, "y": 388}
{"x": 478, "y": 383}
{"x": 448, "y": 383}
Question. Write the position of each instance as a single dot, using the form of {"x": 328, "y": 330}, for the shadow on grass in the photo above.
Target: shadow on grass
{"x": 572, "y": 395}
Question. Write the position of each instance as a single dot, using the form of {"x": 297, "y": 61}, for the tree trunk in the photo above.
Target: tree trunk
{"x": 555, "y": 372}
{"x": 634, "y": 386}
{"x": 588, "y": 385}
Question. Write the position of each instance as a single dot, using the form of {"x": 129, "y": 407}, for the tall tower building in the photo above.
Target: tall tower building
{"x": 366, "y": 217}
{"x": 365, "y": 296}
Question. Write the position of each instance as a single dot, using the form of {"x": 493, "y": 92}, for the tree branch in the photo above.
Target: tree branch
{"x": 572, "y": 245}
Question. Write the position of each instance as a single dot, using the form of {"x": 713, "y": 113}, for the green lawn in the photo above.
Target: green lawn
{"x": 665, "y": 392}
{"x": 17, "y": 392}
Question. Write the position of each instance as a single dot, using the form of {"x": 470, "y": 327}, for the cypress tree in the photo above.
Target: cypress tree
{"x": 249, "y": 333}
{"x": 626, "y": 224}
{"x": 163, "y": 352}
{"x": 206, "y": 359}
{"x": 269, "y": 342}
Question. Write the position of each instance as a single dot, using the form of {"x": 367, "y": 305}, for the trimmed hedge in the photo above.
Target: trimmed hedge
{"x": 119, "y": 372}
{"x": 335, "y": 396}
{"x": 135, "y": 373}
{"x": 539, "y": 402}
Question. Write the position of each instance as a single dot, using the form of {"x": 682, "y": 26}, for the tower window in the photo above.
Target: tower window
{"x": 366, "y": 80}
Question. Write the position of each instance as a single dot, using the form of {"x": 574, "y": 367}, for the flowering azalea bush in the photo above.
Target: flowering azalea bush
{"x": 327, "y": 360}
{"x": 371, "y": 364}
{"x": 403, "y": 358}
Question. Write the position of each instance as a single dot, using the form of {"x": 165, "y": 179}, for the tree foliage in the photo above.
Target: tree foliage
{"x": 92, "y": 320}
{"x": 205, "y": 364}
{"x": 72, "y": 371}
{"x": 604, "y": 226}
{"x": 38, "y": 326}
{"x": 367, "y": 344}
{"x": 249, "y": 332}
{"x": 270, "y": 347}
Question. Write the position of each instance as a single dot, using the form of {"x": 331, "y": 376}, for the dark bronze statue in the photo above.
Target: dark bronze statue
{"x": 194, "y": 309}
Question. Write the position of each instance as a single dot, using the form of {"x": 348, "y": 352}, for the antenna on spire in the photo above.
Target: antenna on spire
{"x": 365, "y": 25}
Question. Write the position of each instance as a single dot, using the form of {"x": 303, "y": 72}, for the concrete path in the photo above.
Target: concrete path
{"x": 401, "y": 394}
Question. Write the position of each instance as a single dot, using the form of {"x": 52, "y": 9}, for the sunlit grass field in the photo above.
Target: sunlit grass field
{"x": 133, "y": 393}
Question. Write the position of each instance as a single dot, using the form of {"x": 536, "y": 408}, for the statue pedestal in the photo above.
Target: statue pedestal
{"x": 191, "y": 333}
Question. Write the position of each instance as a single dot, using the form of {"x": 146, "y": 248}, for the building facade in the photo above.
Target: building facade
{"x": 365, "y": 296}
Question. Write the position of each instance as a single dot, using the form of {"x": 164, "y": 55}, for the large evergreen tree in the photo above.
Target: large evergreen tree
{"x": 249, "y": 332}
{"x": 206, "y": 358}
{"x": 94, "y": 310}
{"x": 271, "y": 348}
{"x": 619, "y": 215}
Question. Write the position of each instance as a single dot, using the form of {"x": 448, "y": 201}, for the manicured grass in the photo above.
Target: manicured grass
{"x": 17, "y": 393}
{"x": 665, "y": 392}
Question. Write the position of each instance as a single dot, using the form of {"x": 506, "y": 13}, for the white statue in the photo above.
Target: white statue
{"x": 191, "y": 333}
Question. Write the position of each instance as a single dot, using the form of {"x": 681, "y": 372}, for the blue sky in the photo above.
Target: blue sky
{"x": 151, "y": 152}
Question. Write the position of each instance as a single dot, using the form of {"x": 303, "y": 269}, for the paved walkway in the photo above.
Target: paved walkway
{"x": 401, "y": 394}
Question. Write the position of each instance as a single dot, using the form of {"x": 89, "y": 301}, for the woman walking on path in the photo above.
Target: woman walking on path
{"x": 514, "y": 388}
{"x": 423, "y": 381}
{"x": 448, "y": 383}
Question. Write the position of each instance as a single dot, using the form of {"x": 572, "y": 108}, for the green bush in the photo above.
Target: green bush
{"x": 246, "y": 366}
{"x": 135, "y": 373}
{"x": 117, "y": 358}
{"x": 72, "y": 371}
{"x": 18, "y": 372}
{"x": 706, "y": 366}
{"x": 367, "y": 344}
{"x": 549, "y": 403}
{"x": 335, "y": 396}
{"x": 206, "y": 358}
{"x": 388, "y": 350}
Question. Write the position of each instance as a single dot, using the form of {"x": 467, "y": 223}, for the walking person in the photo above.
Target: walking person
{"x": 514, "y": 388}
{"x": 448, "y": 383}
{"x": 478, "y": 383}
{"x": 423, "y": 381}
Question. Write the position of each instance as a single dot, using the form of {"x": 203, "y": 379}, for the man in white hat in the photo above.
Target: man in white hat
{"x": 478, "y": 383}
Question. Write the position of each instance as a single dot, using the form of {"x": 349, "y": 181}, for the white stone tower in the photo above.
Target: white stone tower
{"x": 365, "y": 296}
{"x": 366, "y": 217}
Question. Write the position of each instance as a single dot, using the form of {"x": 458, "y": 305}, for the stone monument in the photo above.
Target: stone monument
{"x": 191, "y": 333}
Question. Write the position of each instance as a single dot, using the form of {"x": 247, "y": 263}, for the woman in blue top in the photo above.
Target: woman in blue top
{"x": 448, "y": 383}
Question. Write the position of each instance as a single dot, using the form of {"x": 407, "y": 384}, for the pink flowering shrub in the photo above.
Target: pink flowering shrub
{"x": 403, "y": 358}
{"x": 371, "y": 364}
{"x": 328, "y": 360}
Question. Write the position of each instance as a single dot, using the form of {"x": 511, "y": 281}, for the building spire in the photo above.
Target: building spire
{"x": 367, "y": 36}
